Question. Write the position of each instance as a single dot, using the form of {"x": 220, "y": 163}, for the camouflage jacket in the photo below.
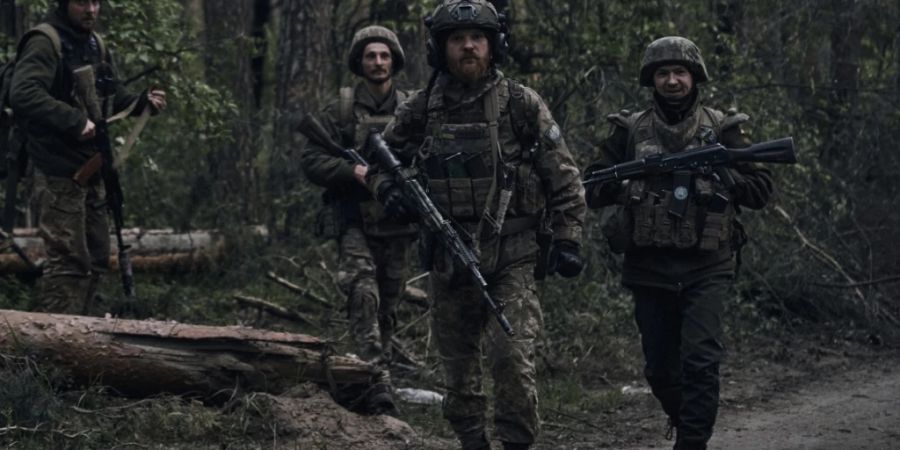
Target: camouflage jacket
{"x": 42, "y": 100}
{"x": 450, "y": 120}
{"x": 347, "y": 119}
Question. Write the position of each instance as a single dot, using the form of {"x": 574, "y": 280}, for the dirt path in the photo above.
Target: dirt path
{"x": 857, "y": 408}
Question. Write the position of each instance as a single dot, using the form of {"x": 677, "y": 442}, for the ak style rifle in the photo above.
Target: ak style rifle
{"x": 437, "y": 224}
{"x": 86, "y": 87}
{"x": 779, "y": 151}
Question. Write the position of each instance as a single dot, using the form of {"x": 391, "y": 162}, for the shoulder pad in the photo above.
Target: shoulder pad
{"x": 733, "y": 118}
{"x": 624, "y": 118}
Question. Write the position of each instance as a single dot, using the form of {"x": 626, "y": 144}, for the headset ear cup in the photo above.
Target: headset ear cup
{"x": 502, "y": 40}
{"x": 432, "y": 53}
{"x": 501, "y": 46}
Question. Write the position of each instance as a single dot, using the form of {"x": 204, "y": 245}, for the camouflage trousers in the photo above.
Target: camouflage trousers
{"x": 371, "y": 274}
{"x": 466, "y": 332}
{"x": 73, "y": 225}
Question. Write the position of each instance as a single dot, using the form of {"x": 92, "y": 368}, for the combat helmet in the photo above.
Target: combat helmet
{"x": 672, "y": 50}
{"x": 367, "y": 35}
{"x": 458, "y": 14}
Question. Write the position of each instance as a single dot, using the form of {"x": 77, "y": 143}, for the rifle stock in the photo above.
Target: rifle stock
{"x": 778, "y": 151}
{"x": 440, "y": 226}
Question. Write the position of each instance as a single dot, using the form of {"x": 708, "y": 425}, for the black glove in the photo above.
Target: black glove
{"x": 391, "y": 196}
{"x": 565, "y": 259}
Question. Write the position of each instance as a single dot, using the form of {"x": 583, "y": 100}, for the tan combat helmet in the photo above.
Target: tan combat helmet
{"x": 367, "y": 35}
{"x": 459, "y": 14}
{"x": 672, "y": 50}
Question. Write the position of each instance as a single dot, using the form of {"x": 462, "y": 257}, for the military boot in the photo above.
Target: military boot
{"x": 683, "y": 444}
{"x": 471, "y": 435}
{"x": 515, "y": 446}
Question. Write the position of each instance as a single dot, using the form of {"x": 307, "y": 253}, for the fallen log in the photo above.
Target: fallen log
{"x": 161, "y": 250}
{"x": 142, "y": 358}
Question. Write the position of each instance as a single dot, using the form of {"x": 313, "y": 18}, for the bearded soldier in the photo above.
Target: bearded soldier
{"x": 678, "y": 232}
{"x": 373, "y": 248}
{"x": 481, "y": 140}
{"x": 59, "y": 141}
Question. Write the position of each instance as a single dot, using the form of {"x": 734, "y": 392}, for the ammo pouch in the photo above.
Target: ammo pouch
{"x": 707, "y": 223}
{"x": 460, "y": 170}
{"x": 655, "y": 226}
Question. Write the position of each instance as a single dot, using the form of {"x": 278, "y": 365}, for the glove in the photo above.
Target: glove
{"x": 565, "y": 259}
{"x": 391, "y": 196}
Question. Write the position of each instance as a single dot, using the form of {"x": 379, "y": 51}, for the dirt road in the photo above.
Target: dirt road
{"x": 856, "y": 408}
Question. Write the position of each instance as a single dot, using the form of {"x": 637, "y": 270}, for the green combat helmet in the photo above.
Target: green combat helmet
{"x": 458, "y": 14}
{"x": 672, "y": 50}
{"x": 367, "y": 35}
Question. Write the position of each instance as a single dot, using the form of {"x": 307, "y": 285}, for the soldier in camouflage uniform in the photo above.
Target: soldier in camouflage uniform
{"x": 58, "y": 134}
{"x": 477, "y": 138}
{"x": 679, "y": 269}
{"x": 373, "y": 248}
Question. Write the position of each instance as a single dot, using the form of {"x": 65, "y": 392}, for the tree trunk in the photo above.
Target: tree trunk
{"x": 151, "y": 250}
{"x": 301, "y": 72}
{"x": 230, "y": 48}
{"x": 142, "y": 358}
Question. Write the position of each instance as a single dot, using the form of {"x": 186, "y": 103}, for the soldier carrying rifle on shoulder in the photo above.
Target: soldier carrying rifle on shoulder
{"x": 63, "y": 91}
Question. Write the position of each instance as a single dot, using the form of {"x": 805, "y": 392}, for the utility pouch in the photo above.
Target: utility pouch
{"x": 662, "y": 221}
{"x": 329, "y": 219}
{"x": 686, "y": 228}
{"x": 643, "y": 213}
{"x": 716, "y": 224}
{"x": 615, "y": 223}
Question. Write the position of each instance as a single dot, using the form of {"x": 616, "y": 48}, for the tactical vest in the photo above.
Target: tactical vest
{"x": 680, "y": 210}
{"x": 472, "y": 168}
{"x": 356, "y": 124}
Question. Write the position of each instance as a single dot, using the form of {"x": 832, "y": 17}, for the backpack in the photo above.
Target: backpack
{"x": 11, "y": 139}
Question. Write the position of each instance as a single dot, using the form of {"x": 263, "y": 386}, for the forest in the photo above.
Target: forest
{"x": 819, "y": 275}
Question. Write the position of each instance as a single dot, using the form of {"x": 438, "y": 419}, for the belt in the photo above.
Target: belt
{"x": 511, "y": 225}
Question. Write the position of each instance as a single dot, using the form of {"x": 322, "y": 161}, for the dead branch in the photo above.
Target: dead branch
{"x": 304, "y": 292}
{"x": 272, "y": 308}
{"x": 884, "y": 280}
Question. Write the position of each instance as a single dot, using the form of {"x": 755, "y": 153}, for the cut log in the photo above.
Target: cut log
{"x": 150, "y": 357}
{"x": 161, "y": 250}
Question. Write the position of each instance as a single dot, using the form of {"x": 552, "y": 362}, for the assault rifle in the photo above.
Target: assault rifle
{"x": 315, "y": 132}
{"x": 432, "y": 218}
{"x": 86, "y": 86}
{"x": 779, "y": 151}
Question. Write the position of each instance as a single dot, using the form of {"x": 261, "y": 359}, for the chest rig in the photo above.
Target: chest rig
{"x": 475, "y": 159}
{"x": 682, "y": 209}
{"x": 356, "y": 124}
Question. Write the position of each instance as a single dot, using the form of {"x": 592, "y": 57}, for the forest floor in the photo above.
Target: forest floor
{"x": 809, "y": 392}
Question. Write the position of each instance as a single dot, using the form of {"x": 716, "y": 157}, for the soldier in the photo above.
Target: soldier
{"x": 373, "y": 247}
{"x": 58, "y": 140}
{"x": 679, "y": 269}
{"x": 477, "y": 137}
